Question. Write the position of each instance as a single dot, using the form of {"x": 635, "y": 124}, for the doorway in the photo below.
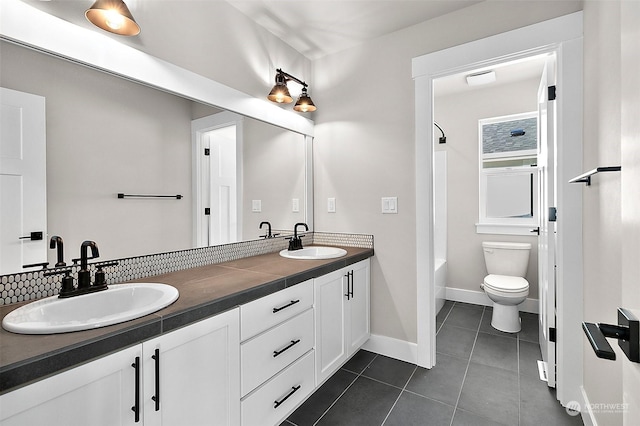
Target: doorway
{"x": 562, "y": 37}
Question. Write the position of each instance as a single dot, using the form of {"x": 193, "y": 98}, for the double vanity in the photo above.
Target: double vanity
{"x": 246, "y": 342}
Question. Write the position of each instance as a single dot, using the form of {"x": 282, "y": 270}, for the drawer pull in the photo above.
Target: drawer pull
{"x": 294, "y": 389}
{"x": 293, "y": 302}
{"x": 292, "y": 344}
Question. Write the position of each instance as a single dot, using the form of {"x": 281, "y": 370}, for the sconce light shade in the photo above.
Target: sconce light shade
{"x": 304, "y": 103}
{"x": 280, "y": 92}
{"x": 113, "y": 16}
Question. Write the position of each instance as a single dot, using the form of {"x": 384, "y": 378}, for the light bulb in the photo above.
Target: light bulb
{"x": 113, "y": 19}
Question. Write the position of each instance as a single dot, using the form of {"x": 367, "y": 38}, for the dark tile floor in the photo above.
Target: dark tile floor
{"x": 482, "y": 377}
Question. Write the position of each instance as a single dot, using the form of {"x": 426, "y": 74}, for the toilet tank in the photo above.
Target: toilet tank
{"x": 502, "y": 258}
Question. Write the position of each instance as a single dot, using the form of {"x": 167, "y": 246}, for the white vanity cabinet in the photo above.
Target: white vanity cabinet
{"x": 342, "y": 316}
{"x": 197, "y": 376}
{"x": 277, "y": 354}
{"x": 192, "y": 375}
{"x": 100, "y": 393}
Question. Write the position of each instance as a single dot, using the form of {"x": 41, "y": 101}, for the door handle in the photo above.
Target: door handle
{"x": 33, "y": 236}
{"x": 627, "y": 332}
{"x": 535, "y": 231}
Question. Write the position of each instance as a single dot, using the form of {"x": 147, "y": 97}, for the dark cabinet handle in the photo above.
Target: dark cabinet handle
{"x": 33, "y": 236}
{"x": 348, "y": 294}
{"x": 292, "y": 344}
{"x": 277, "y": 403}
{"x": 156, "y": 397}
{"x": 293, "y": 302}
{"x": 136, "y": 406}
{"x": 351, "y": 279}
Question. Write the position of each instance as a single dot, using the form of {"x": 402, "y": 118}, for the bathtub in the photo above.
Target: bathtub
{"x": 440, "y": 267}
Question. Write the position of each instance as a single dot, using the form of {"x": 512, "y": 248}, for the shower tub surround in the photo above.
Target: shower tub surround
{"x": 25, "y": 286}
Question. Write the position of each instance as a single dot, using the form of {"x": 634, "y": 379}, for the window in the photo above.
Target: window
{"x": 508, "y": 149}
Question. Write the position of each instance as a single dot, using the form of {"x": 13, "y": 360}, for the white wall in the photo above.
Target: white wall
{"x": 364, "y": 145}
{"x": 458, "y": 115}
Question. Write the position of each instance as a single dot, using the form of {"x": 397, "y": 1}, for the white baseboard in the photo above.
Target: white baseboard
{"x": 480, "y": 298}
{"x": 587, "y": 414}
{"x": 394, "y": 348}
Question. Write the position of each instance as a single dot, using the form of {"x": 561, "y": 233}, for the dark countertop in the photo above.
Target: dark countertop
{"x": 204, "y": 291}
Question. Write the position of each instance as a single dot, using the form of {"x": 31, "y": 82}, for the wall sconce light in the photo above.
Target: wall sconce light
{"x": 443, "y": 138}
{"x": 113, "y": 16}
{"x": 280, "y": 93}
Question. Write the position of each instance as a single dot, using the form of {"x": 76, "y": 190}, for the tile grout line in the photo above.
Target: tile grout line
{"x": 345, "y": 390}
{"x": 399, "y": 395}
{"x": 468, "y": 364}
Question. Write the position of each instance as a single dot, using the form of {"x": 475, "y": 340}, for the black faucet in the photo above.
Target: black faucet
{"x": 84, "y": 276}
{"x": 295, "y": 242}
{"x": 56, "y": 242}
{"x": 268, "y": 234}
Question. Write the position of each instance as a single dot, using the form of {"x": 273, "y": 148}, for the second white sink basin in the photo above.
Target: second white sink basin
{"x": 119, "y": 303}
{"x": 314, "y": 252}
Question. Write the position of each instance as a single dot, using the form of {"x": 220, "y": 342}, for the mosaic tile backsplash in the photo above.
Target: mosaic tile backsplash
{"x": 16, "y": 288}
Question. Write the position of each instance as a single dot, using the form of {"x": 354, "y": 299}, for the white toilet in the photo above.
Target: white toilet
{"x": 505, "y": 285}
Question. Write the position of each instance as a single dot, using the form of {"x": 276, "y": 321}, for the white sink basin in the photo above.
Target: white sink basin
{"x": 314, "y": 252}
{"x": 119, "y": 303}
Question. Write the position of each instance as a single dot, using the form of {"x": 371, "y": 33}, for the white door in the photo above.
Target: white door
{"x": 547, "y": 238}
{"x": 23, "y": 190}
{"x": 223, "y": 218}
{"x": 217, "y": 179}
{"x": 359, "y": 305}
{"x": 630, "y": 197}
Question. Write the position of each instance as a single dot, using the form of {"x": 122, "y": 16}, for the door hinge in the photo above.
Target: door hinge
{"x": 553, "y": 214}
{"x": 207, "y": 211}
{"x": 551, "y": 93}
{"x": 206, "y": 151}
{"x": 552, "y": 334}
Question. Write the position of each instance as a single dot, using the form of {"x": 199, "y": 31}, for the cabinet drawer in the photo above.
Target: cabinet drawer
{"x": 274, "y": 401}
{"x": 264, "y": 313}
{"x": 268, "y": 353}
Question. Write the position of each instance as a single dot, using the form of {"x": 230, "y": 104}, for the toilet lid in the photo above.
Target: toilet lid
{"x": 506, "y": 283}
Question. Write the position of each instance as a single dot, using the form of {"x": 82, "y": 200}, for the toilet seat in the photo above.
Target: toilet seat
{"x": 506, "y": 284}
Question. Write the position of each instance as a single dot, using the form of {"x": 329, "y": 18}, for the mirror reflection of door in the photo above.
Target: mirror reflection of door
{"x": 217, "y": 145}
{"x": 23, "y": 191}
{"x": 222, "y": 182}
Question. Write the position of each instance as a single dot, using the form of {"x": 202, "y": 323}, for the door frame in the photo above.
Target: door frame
{"x": 563, "y": 36}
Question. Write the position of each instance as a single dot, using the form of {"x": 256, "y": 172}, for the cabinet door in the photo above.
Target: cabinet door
{"x": 358, "y": 330}
{"x": 331, "y": 299}
{"x": 192, "y": 375}
{"x": 101, "y": 392}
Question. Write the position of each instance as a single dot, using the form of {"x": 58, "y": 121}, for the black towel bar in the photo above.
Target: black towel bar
{"x": 586, "y": 177}
{"x": 121, "y": 195}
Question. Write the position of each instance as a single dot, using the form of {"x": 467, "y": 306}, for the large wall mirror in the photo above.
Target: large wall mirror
{"x": 107, "y": 135}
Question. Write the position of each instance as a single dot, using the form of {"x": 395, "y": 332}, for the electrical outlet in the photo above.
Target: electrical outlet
{"x": 295, "y": 205}
{"x": 256, "y": 206}
{"x": 331, "y": 205}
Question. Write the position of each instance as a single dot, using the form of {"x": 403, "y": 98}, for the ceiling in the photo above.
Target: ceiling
{"x": 316, "y": 28}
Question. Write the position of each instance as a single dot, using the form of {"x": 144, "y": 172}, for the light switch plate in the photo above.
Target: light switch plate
{"x": 331, "y": 205}
{"x": 256, "y": 206}
{"x": 389, "y": 205}
{"x": 295, "y": 205}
